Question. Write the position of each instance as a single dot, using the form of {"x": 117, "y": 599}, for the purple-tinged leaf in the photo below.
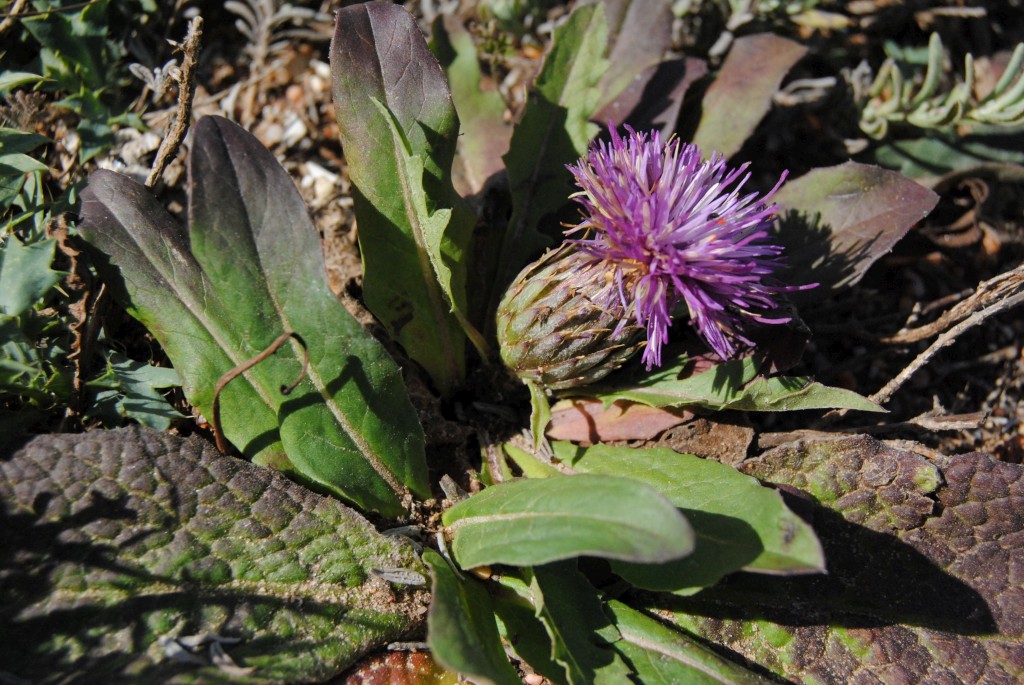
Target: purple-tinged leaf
{"x": 836, "y": 222}
{"x": 639, "y": 36}
{"x": 554, "y": 131}
{"x": 923, "y": 583}
{"x": 483, "y": 134}
{"x": 654, "y": 99}
{"x": 742, "y": 92}
{"x": 379, "y": 57}
{"x": 250, "y": 268}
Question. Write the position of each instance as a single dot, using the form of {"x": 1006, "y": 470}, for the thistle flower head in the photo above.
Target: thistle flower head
{"x": 670, "y": 228}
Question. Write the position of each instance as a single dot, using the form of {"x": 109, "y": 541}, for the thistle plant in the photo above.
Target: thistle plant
{"x": 661, "y": 228}
{"x": 451, "y": 203}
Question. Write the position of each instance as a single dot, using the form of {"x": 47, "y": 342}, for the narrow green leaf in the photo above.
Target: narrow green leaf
{"x": 14, "y": 140}
{"x": 731, "y": 385}
{"x": 431, "y": 226}
{"x": 25, "y": 274}
{"x": 554, "y": 131}
{"x": 528, "y": 464}
{"x": 250, "y": 269}
{"x": 461, "y": 627}
{"x": 742, "y": 92}
{"x": 118, "y": 542}
{"x": 13, "y": 79}
{"x": 580, "y": 632}
{"x": 521, "y": 629}
{"x": 531, "y": 522}
{"x": 483, "y": 134}
{"x": 660, "y": 655}
{"x": 540, "y": 413}
{"x": 737, "y": 523}
{"x": 379, "y": 57}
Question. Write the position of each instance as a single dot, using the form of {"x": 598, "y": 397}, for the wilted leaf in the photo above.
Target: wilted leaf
{"x": 113, "y": 540}
{"x": 737, "y": 523}
{"x": 591, "y": 421}
{"x": 401, "y": 668}
{"x": 25, "y": 274}
{"x": 837, "y": 222}
{"x": 580, "y": 633}
{"x": 530, "y": 522}
{"x": 742, "y": 92}
{"x": 554, "y": 131}
{"x": 922, "y": 584}
{"x": 379, "y": 58}
{"x": 461, "y": 627}
{"x": 729, "y": 385}
{"x": 250, "y": 268}
{"x": 483, "y": 134}
{"x": 659, "y": 655}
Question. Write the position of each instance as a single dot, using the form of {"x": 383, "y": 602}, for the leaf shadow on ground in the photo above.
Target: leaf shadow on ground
{"x": 874, "y": 579}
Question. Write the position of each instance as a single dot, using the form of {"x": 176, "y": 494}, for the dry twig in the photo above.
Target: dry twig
{"x": 186, "y": 91}
{"x": 992, "y": 297}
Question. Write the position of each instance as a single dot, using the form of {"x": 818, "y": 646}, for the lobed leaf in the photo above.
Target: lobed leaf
{"x": 837, "y": 221}
{"x": 529, "y": 522}
{"x": 118, "y": 544}
{"x": 737, "y": 523}
{"x": 461, "y": 628}
{"x": 249, "y": 268}
{"x": 25, "y": 274}
{"x": 399, "y": 129}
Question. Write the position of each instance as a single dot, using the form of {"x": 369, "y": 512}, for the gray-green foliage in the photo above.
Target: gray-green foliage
{"x": 118, "y": 546}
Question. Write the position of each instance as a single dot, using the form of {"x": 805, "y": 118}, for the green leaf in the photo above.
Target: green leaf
{"x": 742, "y": 92}
{"x": 14, "y": 140}
{"x": 540, "y": 413}
{"x": 520, "y": 627}
{"x": 837, "y": 221}
{"x": 660, "y": 655}
{"x": 25, "y": 274}
{"x": 251, "y": 268}
{"x": 12, "y": 79}
{"x": 483, "y": 134}
{"x": 461, "y": 628}
{"x": 937, "y": 155}
{"x": 528, "y": 464}
{"x": 115, "y": 540}
{"x": 379, "y": 57}
{"x": 737, "y": 523}
{"x": 530, "y": 522}
{"x": 570, "y": 610}
{"x": 729, "y": 385}
{"x": 133, "y": 392}
{"x": 554, "y": 131}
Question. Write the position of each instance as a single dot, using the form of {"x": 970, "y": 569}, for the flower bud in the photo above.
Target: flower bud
{"x": 559, "y": 328}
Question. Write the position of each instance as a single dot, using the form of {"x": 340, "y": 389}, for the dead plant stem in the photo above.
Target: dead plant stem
{"x": 186, "y": 92}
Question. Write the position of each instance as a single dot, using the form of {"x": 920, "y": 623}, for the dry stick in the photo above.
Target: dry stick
{"x": 944, "y": 340}
{"x": 988, "y": 292}
{"x": 218, "y": 434}
{"x": 186, "y": 92}
{"x": 12, "y": 15}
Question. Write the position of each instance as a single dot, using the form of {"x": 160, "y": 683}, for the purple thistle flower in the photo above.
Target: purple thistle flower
{"x": 672, "y": 228}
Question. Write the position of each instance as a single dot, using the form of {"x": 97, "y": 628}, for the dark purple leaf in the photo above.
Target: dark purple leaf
{"x": 654, "y": 98}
